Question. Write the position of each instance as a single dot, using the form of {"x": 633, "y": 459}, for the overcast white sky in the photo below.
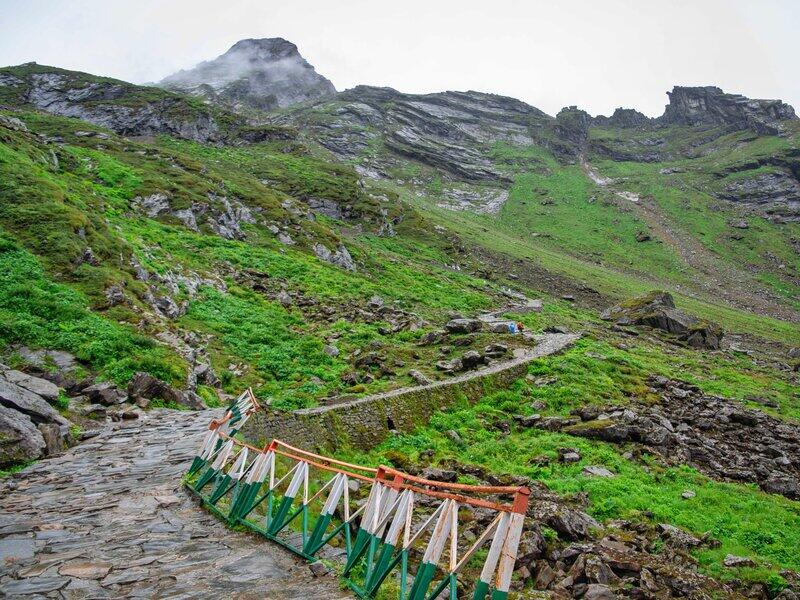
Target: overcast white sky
{"x": 598, "y": 54}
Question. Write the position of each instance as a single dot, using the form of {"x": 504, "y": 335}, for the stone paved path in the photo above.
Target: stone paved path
{"x": 109, "y": 520}
{"x": 546, "y": 344}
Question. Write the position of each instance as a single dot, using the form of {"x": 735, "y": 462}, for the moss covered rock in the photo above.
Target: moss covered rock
{"x": 657, "y": 309}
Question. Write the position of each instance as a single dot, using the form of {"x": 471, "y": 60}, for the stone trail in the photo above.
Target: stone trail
{"x": 546, "y": 344}
{"x": 109, "y": 519}
{"x": 366, "y": 422}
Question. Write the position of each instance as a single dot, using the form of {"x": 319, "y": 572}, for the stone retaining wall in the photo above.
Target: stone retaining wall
{"x": 366, "y": 422}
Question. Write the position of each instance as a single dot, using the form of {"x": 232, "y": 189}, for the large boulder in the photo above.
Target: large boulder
{"x": 34, "y": 406}
{"x": 20, "y": 440}
{"x": 339, "y": 257}
{"x": 144, "y": 385}
{"x": 463, "y": 325}
{"x": 41, "y": 387}
{"x": 57, "y": 438}
{"x": 657, "y": 310}
{"x": 471, "y": 360}
{"x": 105, "y": 393}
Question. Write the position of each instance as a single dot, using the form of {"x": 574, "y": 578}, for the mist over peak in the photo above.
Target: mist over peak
{"x": 259, "y": 73}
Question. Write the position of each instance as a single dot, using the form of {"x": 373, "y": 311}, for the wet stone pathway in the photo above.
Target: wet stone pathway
{"x": 109, "y": 519}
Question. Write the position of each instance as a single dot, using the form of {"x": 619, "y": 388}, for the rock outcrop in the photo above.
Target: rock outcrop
{"x": 572, "y": 131}
{"x": 122, "y": 107}
{"x": 255, "y": 73}
{"x": 125, "y": 108}
{"x": 711, "y": 106}
{"x": 624, "y": 118}
{"x": 775, "y": 193}
{"x": 145, "y": 386}
{"x": 20, "y": 440}
{"x": 30, "y": 427}
{"x": 657, "y": 310}
{"x": 222, "y": 215}
{"x": 443, "y": 130}
{"x": 720, "y": 437}
{"x": 339, "y": 257}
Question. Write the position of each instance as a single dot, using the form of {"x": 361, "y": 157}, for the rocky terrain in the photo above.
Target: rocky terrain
{"x": 584, "y": 564}
{"x": 717, "y": 436}
{"x": 44, "y": 415}
{"x": 116, "y": 105}
{"x": 242, "y": 224}
{"x": 711, "y": 106}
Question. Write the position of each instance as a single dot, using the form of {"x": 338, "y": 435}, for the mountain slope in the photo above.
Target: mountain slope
{"x": 563, "y": 181}
{"x": 123, "y": 107}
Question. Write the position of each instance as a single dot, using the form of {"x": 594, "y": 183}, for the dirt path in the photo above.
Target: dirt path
{"x": 109, "y": 519}
{"x": 720, "y": 279}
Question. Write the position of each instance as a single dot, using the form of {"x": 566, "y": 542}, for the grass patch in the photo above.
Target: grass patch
{"x": 42, "y": 314}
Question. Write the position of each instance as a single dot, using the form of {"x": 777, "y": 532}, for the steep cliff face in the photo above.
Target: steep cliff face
{"x": 570, "y": 133}
{"x": 450, "y": 131}
{"x": 711, "y": 106}
{"x": 772, "y": 191}
{"x": 255, "y": 73}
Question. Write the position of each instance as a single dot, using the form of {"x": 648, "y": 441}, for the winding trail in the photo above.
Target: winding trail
{"x": 546, "y": 344}
{"x": 109, "y": 519}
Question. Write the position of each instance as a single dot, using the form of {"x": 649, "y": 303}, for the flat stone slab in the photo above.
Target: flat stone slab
{"x": 85, "y": 569}
{"x": 109, "y": 519}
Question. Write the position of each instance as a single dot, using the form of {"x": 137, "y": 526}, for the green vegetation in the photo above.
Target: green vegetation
{"x": 161, "y": 403}
{"x": 562, "y": 207}
{"x": 598, "y": 372}
{"x": 98, "y": 213}
{"x": 15, "y": 469}
{"x": 57, "y": 206}
{"x": 745, "y": 520}
{"x": 40, "y": 313}
{"x": 686, "y": 196}
{"x": 485, "y": 232}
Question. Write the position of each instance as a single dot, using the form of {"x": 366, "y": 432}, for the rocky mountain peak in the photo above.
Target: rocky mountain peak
{"x": 622, "y": 117}
{"x": 572, "y": 124}
{"x": 257, "y": 73}
{"x": 711, "y": 106}
{"x": 267, "y": 47}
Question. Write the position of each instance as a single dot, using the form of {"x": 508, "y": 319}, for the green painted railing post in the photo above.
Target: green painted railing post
{"x": 279, "y": 520}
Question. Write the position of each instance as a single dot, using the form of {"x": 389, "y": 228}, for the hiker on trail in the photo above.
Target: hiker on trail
{"x": 515, "y": 327}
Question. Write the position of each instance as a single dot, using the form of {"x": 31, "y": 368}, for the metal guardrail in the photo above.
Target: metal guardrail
{"x": 407, "y": 534}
